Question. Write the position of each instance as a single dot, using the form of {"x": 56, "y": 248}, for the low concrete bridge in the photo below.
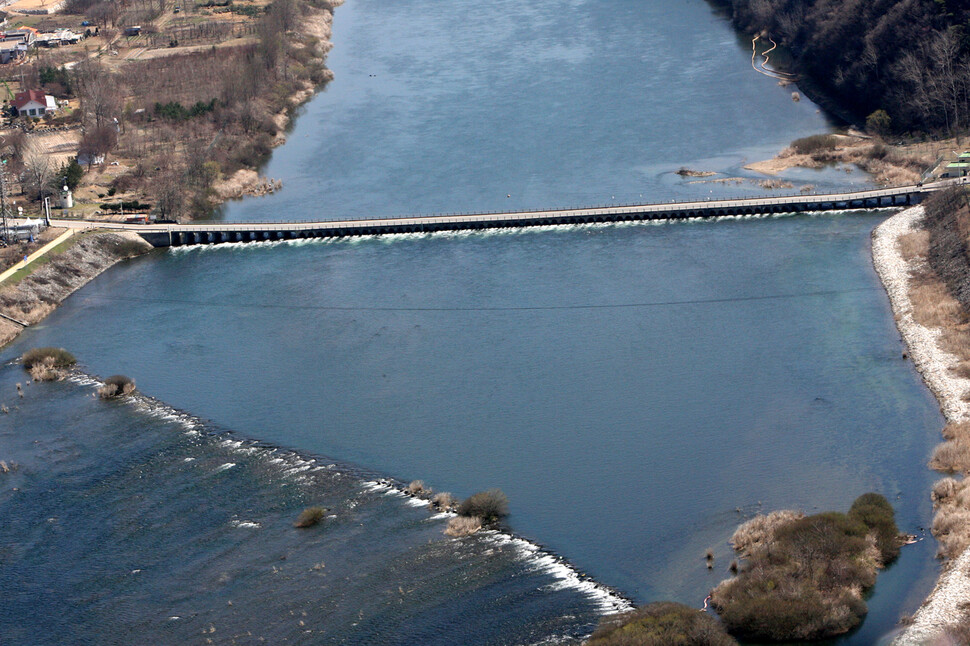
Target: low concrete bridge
{"x": 165, "y": 235}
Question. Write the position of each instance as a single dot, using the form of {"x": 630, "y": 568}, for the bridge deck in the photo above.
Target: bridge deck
{"x": 162, "y": 235}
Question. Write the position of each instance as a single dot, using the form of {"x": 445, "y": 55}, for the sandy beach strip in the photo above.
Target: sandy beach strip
{"x": 952, "y": 591}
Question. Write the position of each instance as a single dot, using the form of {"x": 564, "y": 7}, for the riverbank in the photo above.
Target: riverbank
{"x": 945, "y": 605}
{"x": 31, "y": 298}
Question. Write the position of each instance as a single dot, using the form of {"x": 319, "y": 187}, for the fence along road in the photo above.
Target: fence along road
{"x": 166, "y": 235}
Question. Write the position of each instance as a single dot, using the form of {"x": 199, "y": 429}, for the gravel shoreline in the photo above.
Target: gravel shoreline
{"x": 952, "y": 591}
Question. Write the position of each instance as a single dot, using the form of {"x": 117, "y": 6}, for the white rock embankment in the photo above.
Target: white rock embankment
{"x": 952, "y": 591}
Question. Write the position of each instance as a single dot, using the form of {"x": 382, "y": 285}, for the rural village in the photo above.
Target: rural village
{"x": 156, "y": 109}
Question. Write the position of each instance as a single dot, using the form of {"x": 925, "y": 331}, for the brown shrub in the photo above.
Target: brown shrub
{"x": 943, "y": 490}
{"x": 443, "y": 501}
{"x": 489, "y": 505}
{"x": 309, "y": 517}
{"x": 417, "y": 488}
{"x": 956, "y": 430}
{"x": 463, "y": 526}
{"x": 45, "y": 370}
{"x": 951, "y": 527}
{"x": 660, "y": 624}
{"x": 116, "y": 386}
{"x": 952, "y": 456}
{"x": 815, "y": 145}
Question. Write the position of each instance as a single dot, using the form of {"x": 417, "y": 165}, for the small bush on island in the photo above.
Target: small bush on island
{"x": 47, "y": 364}
{"x": 443, "y": 501}
{"x": 58, "y": 357}
{"x": 116, "y": 386}
{"x": 661, "y": 624}
{"x": 808, "y": 579}
{"x": 463, "y": 526}
{"x": 489, "y": 506}
{"x": 309, "y": 517}
{"x": 417, "y": 488}
{"x": 815, "y": 144}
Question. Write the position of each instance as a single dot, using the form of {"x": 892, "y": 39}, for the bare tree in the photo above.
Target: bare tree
{"x": 37, "y": 175}
{"x": 97, "y": 142}
{"x": 101, "y": 97}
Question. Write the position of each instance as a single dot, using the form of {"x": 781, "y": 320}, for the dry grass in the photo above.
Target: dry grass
{"x": 444, "y": 501}
{"x": 933, "y": 306}
{"x": 944, "y": 490}
{"x": 417, "y": 488}
{"x": 914, "y": 245}
{"x": 956, "y": 430}
{"x": 760, "y": 530}
{"x": 888, "y": 165}
{"x": 463, "y": 526}
{"x": 774, "y": 184}
{"x": 951, "y": 527}
{"x": 940, "y": 294}
{"x": 45, "y": 370}
{"x": 953, "y": 456}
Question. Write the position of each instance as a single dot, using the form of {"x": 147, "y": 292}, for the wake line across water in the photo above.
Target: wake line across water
{"x": 389, "y": 238}
{"x": 298, "y": 468}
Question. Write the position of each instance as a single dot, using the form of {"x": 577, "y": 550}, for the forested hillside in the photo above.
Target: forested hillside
{"x": 909, "y": 58}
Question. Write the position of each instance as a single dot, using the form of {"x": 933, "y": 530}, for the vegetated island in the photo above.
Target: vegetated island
{"x": 922, "y": 255}
{"x": 151, "y": 108}
{"x": 805, "y": 577}
{"x": 801, "y": 578}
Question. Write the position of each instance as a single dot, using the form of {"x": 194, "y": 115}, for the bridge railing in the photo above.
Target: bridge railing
{"x": 584, "y": 210}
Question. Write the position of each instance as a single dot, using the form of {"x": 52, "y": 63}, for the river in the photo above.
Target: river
{"x": 636, "y": 390}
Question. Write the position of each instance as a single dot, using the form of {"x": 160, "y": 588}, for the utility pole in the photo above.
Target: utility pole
{"x": 4, "y": 204}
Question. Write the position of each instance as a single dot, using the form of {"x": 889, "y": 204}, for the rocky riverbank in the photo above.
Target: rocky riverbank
{"x": 33, "y": 297}
{"x": 945, "y": 605}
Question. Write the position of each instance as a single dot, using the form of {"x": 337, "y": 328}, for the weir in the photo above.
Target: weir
{"x": 175, "y": 235}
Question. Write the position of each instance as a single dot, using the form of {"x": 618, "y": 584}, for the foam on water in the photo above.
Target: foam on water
{"x": 391, "y": 238}
{"x": 290, "y": 464}
{"x": 567, "y": 577}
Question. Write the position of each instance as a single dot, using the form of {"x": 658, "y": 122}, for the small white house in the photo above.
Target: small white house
{"x": 33, "y": 103}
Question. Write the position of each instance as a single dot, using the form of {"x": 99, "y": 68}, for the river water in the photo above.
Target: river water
{"x": 636, "y": 390}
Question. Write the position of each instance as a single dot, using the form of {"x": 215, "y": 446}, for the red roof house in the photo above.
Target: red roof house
{"x": 33, "y": 103}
